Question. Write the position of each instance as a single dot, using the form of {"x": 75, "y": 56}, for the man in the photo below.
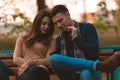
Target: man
{"x": 77, "y": 40}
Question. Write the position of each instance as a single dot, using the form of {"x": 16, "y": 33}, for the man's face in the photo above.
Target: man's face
{"x": 62, "y": 21}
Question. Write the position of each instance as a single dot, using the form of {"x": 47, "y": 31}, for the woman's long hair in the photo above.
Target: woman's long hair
{"x": 35, "y": 33}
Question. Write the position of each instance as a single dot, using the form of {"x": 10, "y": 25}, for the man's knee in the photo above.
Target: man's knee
{"x": 54, "y": 59}
{"x": 86, "y": 74}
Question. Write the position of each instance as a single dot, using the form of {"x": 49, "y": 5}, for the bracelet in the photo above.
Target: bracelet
{"x": 34, "y": 60}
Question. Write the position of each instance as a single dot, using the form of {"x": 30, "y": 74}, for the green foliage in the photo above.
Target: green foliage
{"x": 6, "y": 46}
{"x": 100, "y": 25}
{"x": 57, "y": 31}
{"x": 117, "y": 18}
{"x": 17, "y": 28}
{"x": 7, "y": 43}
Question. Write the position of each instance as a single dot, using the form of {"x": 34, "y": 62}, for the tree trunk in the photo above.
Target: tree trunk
{"x": 41, "y": 4}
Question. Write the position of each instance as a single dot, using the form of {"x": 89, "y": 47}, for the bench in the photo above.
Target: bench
{"x": 105, "y": 51}
{"x": 7, "y": 57}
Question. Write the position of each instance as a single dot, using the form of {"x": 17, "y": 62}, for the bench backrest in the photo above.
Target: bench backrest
{"x": 7, "y": 56}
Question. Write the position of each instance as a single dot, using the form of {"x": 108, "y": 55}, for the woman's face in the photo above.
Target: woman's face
{"x": 45, "y": 25}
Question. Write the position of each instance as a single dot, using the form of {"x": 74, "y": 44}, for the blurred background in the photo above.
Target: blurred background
{"x": 16, "y": 17}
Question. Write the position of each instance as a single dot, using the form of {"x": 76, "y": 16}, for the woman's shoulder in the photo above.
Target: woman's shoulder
{"x": 20, "y": 38}
{"x": 53, "y": 40}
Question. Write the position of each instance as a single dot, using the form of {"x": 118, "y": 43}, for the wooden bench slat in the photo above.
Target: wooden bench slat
{"x": 106, "y": 52}
{"x": 6, "y": 56}
{"x": 9, "y": 63}
{"x": 14, "y": 72}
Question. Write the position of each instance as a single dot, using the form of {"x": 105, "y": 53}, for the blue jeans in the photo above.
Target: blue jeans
{"x": 34, "y": 73}
{"x": 68, "y": 68}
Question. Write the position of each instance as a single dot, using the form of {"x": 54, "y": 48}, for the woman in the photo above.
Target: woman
{"x": 32, "y": 50}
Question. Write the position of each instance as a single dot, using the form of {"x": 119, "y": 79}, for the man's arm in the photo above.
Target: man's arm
{"x": 88, "y": 41}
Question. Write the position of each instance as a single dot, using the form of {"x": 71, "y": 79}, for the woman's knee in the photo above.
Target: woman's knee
{"x": 35, "y": 72}
{"x": 36, "y": 69}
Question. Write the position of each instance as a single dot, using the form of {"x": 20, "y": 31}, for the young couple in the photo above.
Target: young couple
{"x": 73, "y": 55}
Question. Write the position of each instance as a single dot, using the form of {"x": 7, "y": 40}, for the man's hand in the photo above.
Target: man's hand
{"x": 73, "y": 31}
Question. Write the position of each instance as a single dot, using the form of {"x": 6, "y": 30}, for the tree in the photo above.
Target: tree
{"x": 110, "y": 19}
{"x": 13, "y": 23}
{"x": 117, "y": 14}
{"x": 41, "y": 4}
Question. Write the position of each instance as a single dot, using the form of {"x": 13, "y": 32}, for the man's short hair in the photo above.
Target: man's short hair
{"x": 58, "y": 9}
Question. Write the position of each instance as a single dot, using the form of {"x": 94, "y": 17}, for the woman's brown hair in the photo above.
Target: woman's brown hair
{"x": 34, "y": 33}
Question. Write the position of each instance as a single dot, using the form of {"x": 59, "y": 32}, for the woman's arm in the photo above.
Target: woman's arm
{"x": 17, "y": 55}
{"x": 44, "y": 61}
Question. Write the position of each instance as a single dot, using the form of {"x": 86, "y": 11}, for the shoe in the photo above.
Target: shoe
{"x": 110, "y": 64}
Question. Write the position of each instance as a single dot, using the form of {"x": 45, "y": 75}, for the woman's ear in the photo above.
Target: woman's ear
{"x": 67, "y": 13}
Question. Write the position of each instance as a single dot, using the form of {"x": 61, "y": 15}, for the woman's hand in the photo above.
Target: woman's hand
{"x": 23, "y": 68}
